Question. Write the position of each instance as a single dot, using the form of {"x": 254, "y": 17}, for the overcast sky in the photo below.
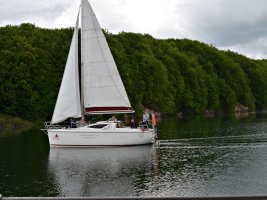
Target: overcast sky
{"x": 238, "y": 25}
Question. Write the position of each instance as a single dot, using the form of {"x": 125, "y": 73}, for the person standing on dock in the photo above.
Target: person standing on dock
{"x": 153, "y": 120}
{"x": 145, "y": 119}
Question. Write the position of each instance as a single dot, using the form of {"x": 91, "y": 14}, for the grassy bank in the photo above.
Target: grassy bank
{"x": 10, "y": 122}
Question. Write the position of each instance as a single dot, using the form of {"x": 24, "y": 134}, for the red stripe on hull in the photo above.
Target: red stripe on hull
{"x": 108, "y": 109}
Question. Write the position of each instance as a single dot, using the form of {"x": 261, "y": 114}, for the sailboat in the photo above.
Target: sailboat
{"x": 102, "y": 92}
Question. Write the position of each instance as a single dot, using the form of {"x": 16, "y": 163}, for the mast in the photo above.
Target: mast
{"x": 82, "y": 73}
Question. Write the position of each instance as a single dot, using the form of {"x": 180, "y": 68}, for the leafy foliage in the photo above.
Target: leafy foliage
{"x": 170, "y": 75}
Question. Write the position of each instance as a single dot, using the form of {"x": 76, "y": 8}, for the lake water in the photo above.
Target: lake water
{"x": 224, "y": 156}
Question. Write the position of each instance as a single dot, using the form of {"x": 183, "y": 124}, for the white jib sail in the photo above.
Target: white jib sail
{"x": 103, "y": 89}
{"x": 68, "y": 101}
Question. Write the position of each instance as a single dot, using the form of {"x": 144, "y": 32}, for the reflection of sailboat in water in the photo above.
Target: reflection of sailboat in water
{"x": 102, "y": 92}
{"x": 100, "y": 171}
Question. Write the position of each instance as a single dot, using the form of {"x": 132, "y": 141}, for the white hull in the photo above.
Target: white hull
{"x": 83, "y": 136}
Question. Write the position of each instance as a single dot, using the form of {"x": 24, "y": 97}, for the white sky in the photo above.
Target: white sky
{"x": 238, "y": 25}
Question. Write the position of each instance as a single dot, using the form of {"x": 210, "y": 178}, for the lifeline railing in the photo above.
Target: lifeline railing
{"x": 48, "y": 125}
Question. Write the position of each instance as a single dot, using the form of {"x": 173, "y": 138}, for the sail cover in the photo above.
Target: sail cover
{"x": 102, "y": 88}
{"x": 68, "y": 101}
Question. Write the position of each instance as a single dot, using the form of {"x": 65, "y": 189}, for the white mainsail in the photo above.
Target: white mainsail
{"x": 102, "y": 88}
{"x": 68, "y": 101}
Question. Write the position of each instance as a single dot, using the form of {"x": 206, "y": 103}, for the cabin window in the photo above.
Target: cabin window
{"x": 98, "y": 126}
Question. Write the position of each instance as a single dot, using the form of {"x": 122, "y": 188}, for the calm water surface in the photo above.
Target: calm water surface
{"x": 225, "y": 156}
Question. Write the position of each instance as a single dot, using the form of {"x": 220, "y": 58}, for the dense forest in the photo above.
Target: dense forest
{"x": 171, "y": 75}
